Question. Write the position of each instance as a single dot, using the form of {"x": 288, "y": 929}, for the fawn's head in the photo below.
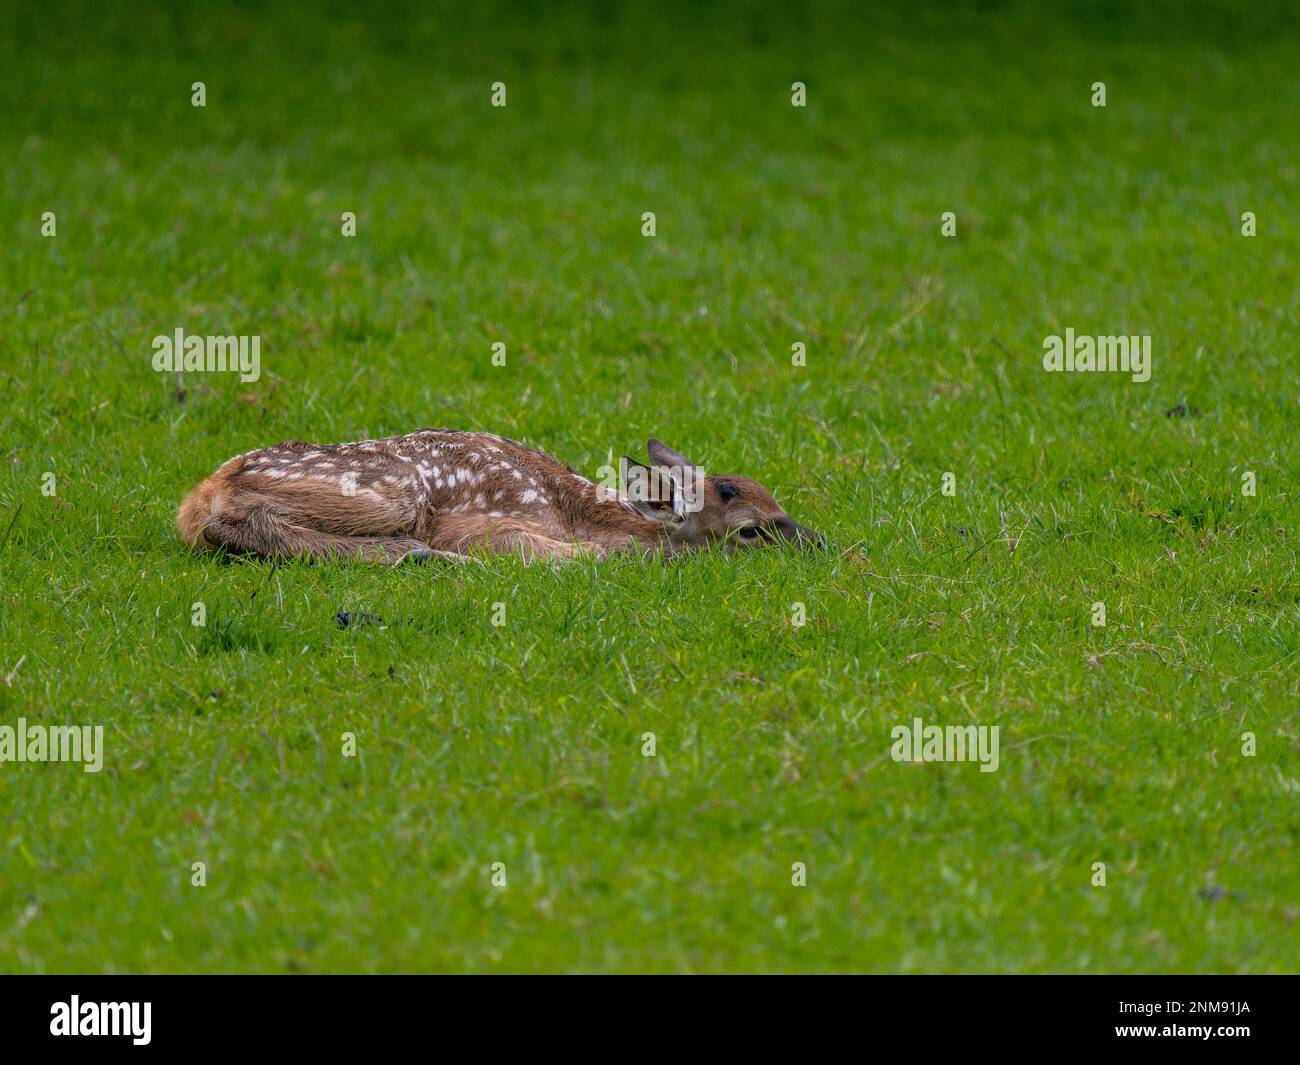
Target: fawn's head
{"x": 696, "y": 510}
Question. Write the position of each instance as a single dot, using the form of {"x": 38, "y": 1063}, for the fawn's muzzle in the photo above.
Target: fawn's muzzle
{"x": 806, "y": 537}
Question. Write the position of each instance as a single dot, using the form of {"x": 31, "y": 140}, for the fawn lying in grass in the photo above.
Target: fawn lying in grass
{"x": 442, "y": 492}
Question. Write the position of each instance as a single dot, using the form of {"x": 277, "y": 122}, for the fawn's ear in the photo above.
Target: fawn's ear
{"x": 686, "y": 475}
{"x": 654, "y": 492}
{"x": 662, "y": 455}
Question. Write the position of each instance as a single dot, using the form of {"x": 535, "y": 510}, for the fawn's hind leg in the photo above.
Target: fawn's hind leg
{"x": 280, "y": 503}
{"x": 264, "y": 532}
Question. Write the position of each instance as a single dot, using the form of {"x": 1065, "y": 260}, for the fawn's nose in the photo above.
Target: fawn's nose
{"x": 806, "y": 537}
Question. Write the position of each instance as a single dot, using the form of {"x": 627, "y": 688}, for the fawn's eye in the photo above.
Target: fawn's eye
{"x": 749, "y": 532}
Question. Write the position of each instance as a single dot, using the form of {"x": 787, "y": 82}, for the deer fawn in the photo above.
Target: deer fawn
{"x": 442, "y": 492}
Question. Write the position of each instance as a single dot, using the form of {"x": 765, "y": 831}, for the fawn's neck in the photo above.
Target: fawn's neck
{"x": 609, "y": 521}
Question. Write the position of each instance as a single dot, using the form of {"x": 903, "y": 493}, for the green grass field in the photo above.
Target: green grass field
{"x": 775, "y": 225}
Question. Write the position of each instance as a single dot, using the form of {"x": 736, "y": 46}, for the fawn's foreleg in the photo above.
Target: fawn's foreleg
{"x": 462, "y": 533}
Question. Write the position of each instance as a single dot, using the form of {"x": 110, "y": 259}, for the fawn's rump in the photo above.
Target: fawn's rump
{"x": 300, "y": 500}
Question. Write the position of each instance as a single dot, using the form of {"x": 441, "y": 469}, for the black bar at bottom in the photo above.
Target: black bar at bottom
{"x": 336, "y": 1014}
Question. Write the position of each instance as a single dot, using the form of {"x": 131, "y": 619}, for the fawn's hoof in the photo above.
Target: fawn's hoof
{"x": 424, "y": 554}
{"x": 418, "y": 554}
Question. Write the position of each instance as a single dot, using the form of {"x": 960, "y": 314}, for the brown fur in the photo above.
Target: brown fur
{"x": 447, "y": 492}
